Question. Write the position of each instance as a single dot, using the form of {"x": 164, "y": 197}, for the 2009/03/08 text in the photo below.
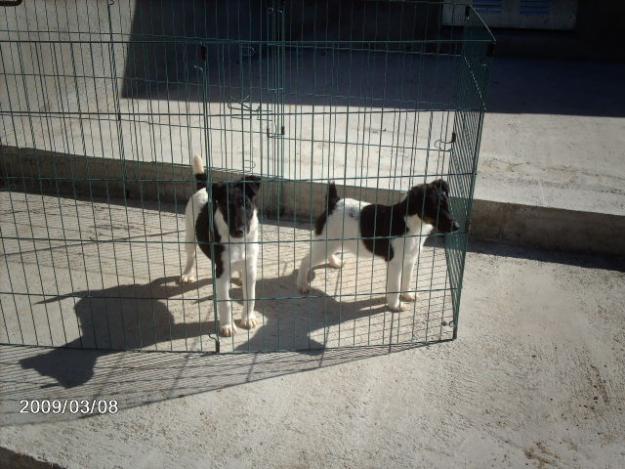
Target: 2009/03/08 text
{"x": 72, "y": 406}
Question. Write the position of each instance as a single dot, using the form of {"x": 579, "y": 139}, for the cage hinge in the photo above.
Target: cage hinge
{"x": 119, "y": 116}
{"x": 278, "y": 134}
{"x": 248, "y": 51}
{"x": 203, "y": 53}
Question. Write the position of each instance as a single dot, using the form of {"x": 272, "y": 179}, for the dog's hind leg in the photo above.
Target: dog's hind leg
{"x": 320, "y": 250}
{"x": 406, "y": 278}
{"x": 190, "y": 248}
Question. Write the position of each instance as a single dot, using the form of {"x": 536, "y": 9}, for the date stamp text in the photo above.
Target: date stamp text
{"x": 72, "y": 406}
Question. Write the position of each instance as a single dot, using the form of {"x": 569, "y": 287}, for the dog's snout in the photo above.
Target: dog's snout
{"x": 238, "y": 232}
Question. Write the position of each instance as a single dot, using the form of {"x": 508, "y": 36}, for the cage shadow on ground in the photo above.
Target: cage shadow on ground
{"x": 139, "y": 378}
{"x": 135, "y": 317}
{"x": 114, "y": 319}
{"x": 134, "y": 379}
{"x": 103, "y": 276}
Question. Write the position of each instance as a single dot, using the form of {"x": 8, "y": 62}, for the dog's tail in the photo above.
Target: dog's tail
{"x": 333, "y": 197}
{"x": 331, "y": 200}
{"x": 198, "y": 172}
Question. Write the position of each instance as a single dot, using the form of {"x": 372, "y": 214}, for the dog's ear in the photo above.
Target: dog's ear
{"x": 442, "y": 185}
{"x": 251, "y": 185}
{"x": 219, "y": 193}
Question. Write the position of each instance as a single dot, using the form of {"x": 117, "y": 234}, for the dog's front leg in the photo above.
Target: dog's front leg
{"x": 248, "y": 283}
{"x": 393, "y": 283}
{"x": 226, "y": 325}
{"x": 406, "y": 279}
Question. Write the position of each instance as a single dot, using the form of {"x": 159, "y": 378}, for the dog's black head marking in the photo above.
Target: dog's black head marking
{"x": 236, "y": 201}
{"x": 431, "y": 203}
{"x": 380, "y": 223}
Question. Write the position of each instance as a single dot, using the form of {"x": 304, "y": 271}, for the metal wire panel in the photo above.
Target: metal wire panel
{"x": 102, "y": 104}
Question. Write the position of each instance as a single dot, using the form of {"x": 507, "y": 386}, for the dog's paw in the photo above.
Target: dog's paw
{"x": 236, "y": 281}
{"x": 184, "y": 278}
{"x": 228, "y": 330}
{"x": 335, "y": 262}
{"x": 396, "y": 308}
{"x": 250, "y": 322}
{"x": 408, "y": 297}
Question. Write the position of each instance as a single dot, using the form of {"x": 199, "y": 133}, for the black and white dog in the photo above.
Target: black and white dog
{"x": 235, "y": 236}
{"x": 394, "y": 232}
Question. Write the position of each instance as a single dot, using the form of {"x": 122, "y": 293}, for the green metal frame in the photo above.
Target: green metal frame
{"x": 99, "y": 118}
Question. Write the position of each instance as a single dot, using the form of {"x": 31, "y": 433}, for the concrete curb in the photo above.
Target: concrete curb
{"x": 134, "y": 182}
{"x": 548, "y": 228}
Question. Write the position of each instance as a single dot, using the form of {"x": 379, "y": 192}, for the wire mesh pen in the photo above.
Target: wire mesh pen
{"x": 103, "y": 102}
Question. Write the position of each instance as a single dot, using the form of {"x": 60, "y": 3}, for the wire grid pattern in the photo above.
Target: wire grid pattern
{"x": 117, "y": 287}
{"x": 103, "y": 103}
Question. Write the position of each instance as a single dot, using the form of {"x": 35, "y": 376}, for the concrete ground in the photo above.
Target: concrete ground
{"x": 536, "y": 378}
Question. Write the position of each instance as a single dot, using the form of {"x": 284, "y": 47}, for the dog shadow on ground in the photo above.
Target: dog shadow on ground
{"x": 133, "y": 316}
{"x": 114, "y": 319}
{"x": 309, "y": 323}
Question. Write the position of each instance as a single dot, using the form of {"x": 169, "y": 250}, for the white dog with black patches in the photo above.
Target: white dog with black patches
{"x": 395, "y": 233}
{"x": 232, "y": 245}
